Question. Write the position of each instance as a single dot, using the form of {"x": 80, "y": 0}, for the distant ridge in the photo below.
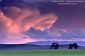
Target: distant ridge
{"x": 32, "y": 46}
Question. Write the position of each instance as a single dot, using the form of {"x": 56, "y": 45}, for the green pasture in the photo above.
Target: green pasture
{"x": 44, "y": 53}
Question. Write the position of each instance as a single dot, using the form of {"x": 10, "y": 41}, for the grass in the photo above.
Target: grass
{"x": 44, "y": 53}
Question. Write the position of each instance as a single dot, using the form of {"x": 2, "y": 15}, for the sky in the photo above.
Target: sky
{"x": 22, "y": 22}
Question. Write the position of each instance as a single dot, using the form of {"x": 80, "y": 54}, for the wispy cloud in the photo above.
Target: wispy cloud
{"x": 21, "y": 20}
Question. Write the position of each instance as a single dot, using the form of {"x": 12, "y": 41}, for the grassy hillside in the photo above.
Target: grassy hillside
{"x": 44, "y": 53}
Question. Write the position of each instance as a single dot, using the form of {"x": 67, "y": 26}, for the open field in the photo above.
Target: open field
{"x": 44, "y": 53}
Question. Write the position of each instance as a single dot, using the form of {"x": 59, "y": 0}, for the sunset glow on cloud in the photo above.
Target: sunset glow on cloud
{"x": 31, "y": 21}
{"x": 23, "y": 22}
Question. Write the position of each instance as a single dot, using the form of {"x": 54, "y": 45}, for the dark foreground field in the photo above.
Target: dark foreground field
{"x": 44, "y": 53}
